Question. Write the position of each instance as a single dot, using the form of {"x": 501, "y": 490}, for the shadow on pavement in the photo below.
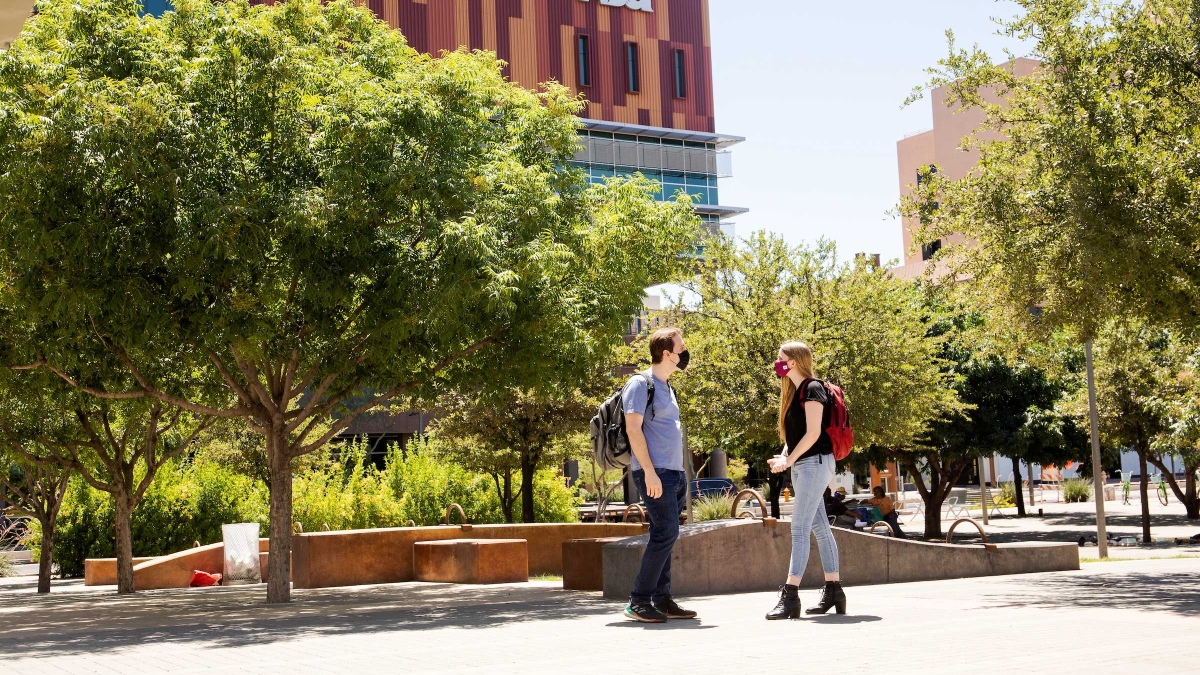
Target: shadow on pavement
{"x": 670, "y": 625}
{"x": 72, "y": 623}
{"x": 845, "y": 618}
{"x": 1170, "y": 592}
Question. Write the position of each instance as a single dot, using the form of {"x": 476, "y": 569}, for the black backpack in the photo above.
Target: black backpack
{"x": 610, "y": 441}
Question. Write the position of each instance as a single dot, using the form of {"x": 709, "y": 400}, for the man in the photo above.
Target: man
{"x": 656, "y": 440}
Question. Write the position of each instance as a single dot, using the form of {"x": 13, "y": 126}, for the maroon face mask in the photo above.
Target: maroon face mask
{"x": 781, "y": 368}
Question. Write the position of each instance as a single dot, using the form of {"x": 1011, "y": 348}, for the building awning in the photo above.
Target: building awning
{"x": 721, "y": 140}
{"x": 719, "y": 210}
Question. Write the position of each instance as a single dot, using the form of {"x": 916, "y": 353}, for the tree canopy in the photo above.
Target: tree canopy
{"x": 868, "y": 332}
{"x": 1087, "y": 205}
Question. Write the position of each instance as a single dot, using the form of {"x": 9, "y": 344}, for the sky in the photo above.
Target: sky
{"x": 817, "y": 88}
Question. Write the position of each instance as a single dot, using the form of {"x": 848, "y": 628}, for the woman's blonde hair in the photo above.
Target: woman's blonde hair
{"x": 802, "y": 355}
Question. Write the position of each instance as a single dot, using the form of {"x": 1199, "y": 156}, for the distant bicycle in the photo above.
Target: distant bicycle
{"x": 13, "y": 533}
{"x": 1161, "y": 488}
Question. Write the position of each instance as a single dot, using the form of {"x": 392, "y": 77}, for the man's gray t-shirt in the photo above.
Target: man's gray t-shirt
{"x": 664, "y": 437}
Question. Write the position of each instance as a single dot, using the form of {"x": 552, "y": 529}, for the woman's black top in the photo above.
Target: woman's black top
{"x": 796, "y": 423}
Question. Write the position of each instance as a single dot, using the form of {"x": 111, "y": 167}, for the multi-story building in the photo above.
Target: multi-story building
{"x": 644, "y": 66}
{"x": 939, "y": 147}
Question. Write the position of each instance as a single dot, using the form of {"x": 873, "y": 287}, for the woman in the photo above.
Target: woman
{"x": 804, "y": 409}
{"x": 887, "y": 510}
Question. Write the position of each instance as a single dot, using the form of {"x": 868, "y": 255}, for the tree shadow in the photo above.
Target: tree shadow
{"x": 1178, "y": 593}
{"x": 72, "y": 623}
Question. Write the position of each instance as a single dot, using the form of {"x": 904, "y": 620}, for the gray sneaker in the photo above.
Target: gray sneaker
{"x": 645, "y": 613}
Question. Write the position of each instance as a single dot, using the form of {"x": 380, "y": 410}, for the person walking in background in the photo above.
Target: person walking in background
{"x": 804, "y": 413}
{"x": 656, "y": 442}
{"x": 887, "y": 510}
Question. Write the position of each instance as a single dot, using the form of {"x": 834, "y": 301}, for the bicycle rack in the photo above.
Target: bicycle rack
{"x": 297, "y": 528}
{"x": 950, "y": 532}
{"x": 890, "y": 531}
{"x": 466, "y": 527}
{"x": 767, "y": 521}
{"x": 411, "y": 523}
{"x": 636, "y": 508}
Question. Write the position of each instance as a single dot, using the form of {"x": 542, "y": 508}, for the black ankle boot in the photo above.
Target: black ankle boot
{"x": 831, "y": 596}
{"x": 789, "y": 604}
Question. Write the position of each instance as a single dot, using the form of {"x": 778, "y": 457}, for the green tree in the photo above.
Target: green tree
{"x": 1183, "y": 435}
{"x": 868, "y": 332}
{"x": 1086, "y": 204}
{"x": 517, "y": 431}
{"x": 301, "y": 215}
{"x": 37, "y": 483}
{"x": 1133, "y": 370}
{"x": 119, "y": 449}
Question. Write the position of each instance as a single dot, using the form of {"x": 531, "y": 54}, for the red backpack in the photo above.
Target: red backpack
{"x": 840, "y": 433}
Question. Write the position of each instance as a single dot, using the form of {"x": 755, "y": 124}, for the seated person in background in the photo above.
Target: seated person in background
{"x": 886, "y": 509}
{"x": 833, "y": 505}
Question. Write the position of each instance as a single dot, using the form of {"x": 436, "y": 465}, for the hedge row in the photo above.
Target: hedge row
{"x": 189, "y": 503}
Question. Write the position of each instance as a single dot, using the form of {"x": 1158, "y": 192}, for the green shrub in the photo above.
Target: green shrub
{"x": 712, "y": 507}
{"x": 189, "y": 502}
{"x": 184, "y": 504}
{"x": 553, "y": 501}
{"x": 426, "y": 487}
{"x": 7, "y": 568}
{"x": 1076, "y": 490}
{"x": 736, "y": 469}
{"x": 1007, "y": 496}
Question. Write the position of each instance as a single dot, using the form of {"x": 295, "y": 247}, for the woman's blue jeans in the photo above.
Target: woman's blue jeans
{"x": 810, "y": 476}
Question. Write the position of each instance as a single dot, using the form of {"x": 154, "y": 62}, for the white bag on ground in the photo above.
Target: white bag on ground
{"x": 241, "y": 553}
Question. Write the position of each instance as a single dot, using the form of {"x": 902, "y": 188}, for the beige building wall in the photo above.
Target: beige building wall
{"x": 941, "y": 145}
{"x": 12, "y": 17}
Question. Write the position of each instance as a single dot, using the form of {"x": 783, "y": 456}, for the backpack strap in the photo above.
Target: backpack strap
{"x": 649, "y": 378}
{"x": 804, "y": 386}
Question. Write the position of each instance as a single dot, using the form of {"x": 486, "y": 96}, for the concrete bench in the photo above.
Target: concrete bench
{"x": 103, "y": 571}
{"x": 583, "y": 563}
{"x": 471, "y": 561}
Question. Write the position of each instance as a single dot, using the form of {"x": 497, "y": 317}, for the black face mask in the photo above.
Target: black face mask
{"x": 684, "y": 357}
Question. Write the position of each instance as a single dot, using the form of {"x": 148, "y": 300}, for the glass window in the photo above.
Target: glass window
{"x": 631, "y": 67}
{"x": 581, "y": 50}
{"x": 680, "y": 75}
{"x": 928, "y": 250}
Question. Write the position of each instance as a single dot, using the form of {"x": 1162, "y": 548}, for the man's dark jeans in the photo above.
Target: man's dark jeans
{"x": 654, "y": 578}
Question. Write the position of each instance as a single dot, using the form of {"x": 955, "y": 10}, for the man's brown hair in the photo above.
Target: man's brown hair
{"x": 662, "y": 340}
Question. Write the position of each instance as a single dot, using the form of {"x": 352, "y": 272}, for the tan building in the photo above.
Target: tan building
{"x": 939, "y": 146}
{"x": 12, "y": 17}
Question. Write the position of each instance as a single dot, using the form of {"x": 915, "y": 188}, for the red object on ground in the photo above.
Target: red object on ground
{"x": 200, "y": 578}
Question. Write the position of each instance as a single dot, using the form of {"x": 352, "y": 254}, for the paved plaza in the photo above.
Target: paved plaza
{"x": 1068, "y": 522}
{"x": 1127, "y": 616}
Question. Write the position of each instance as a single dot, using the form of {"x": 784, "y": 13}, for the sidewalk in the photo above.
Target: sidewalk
{"x": 1137, "y": 616}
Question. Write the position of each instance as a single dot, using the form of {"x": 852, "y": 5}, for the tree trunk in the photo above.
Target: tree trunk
{"x": 528, "y": 464}
{"x": 279, "y": 560}
{"x": 933, "y": 512}
{"x": 122, "y": 512}
{"x": 1145, "y": 497}
{"x": 1191, "y": 502}
{"x": 506, "y": 502}
{"x": 46, "y": 559}
{"x": 1019, "y": 495}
